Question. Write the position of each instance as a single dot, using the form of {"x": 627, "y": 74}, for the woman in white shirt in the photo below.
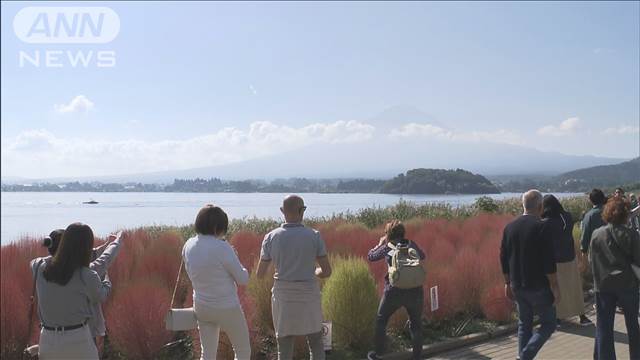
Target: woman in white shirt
{"x": 215, "y": 271}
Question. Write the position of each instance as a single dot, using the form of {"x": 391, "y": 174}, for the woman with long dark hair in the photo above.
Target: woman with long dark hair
{"x": 67, "y": 288}
{"x": 101, "y": 258}
{"x": 559, "y": 225}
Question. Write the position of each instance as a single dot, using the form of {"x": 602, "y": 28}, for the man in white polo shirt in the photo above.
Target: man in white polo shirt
{"x": 295, "y": 249}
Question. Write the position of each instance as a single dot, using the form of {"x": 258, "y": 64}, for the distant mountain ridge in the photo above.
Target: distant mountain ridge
{"x": 605, "y": 175}
{"x": 416, "y": 181}
{"x": 382, "y": 156}
{"x": 625, "y": 173}
{"x": 371, "y": 161}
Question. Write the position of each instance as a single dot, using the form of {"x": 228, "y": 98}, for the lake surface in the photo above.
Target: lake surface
{"x": 37, "y": 213}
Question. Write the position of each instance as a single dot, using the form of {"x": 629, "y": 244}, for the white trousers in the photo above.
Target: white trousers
{"x": 232, "y": 321}
{"x": 74, "y": 344}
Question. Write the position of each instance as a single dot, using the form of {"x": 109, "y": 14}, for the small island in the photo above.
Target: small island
{"x": 439, "y": 181}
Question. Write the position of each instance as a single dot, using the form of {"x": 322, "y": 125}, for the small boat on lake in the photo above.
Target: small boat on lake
{"x": 90, "y": 202}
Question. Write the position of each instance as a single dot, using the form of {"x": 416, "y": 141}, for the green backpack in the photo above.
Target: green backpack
{"x": 405, "y": 271}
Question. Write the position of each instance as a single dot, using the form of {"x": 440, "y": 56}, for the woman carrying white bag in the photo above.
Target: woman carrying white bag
{"x": 215, "y": 271}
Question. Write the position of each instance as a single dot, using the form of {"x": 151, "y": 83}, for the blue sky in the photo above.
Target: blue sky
{"x": 197, "y": 84}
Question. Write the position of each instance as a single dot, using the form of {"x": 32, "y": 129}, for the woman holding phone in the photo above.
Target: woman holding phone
{"x": 67, "y": 288}
{"x": 101, "y": 258}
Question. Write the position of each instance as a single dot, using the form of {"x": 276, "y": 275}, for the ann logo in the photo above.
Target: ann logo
{"x": 63, "y": 26}
{"x": 66, "y": 25}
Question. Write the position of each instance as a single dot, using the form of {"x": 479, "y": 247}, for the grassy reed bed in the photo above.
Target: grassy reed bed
{"x": 461, "y": 244}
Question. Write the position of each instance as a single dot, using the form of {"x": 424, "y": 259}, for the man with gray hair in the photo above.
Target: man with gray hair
{"x": 295, "y": 249}
{"x": 529, "y": 267}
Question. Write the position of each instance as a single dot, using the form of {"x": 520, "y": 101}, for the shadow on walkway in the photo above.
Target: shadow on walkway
{"x": 590, "y": 332}
{"x": 469, "y": 354}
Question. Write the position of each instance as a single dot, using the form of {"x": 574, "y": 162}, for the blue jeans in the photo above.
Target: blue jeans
{"x": 605, "y": 313}
{"x": 534, "y": 302}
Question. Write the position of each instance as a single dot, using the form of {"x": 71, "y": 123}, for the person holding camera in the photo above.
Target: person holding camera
{"x": 400, "y": 289}
{"x": 67, "y": 289}
{"x": 101, "y": 258}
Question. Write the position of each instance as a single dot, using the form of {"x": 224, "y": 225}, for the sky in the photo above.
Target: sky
{"x": 194, "y": 84}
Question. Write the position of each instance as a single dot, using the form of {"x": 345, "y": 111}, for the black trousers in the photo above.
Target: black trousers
{"x": 393, "y": 299}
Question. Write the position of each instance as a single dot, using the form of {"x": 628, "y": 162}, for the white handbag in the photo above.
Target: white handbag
{"x": 180, "y": 319}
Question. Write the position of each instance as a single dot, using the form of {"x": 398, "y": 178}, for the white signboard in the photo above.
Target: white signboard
{"x": 326, "y": 335}
{"x": 434, "y": 298}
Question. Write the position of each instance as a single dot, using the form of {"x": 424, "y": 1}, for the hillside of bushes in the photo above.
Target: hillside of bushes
{"x": 625, "y": 174}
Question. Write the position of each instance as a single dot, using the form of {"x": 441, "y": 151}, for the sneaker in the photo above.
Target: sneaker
{"x": 371, "y": 355}
{"x": 584, "y": 321}
{"x": 558, "y": 323}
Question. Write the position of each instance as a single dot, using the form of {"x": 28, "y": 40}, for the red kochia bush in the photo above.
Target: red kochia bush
{"x": 161, "y": 259}
{"x": 348, "y": 239}
{"x": 449, "y": 300}
{"x": 247, "y": 245}
{"x": 16, "y": 284}
{"x": 135, "y": 319}
{"x": 14, "y": 329}
{"x": 495, "y": 305}
{"x": 462, "y": 260}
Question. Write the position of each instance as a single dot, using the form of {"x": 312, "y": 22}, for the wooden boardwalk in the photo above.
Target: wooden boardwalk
{"x": 570, "y": 342}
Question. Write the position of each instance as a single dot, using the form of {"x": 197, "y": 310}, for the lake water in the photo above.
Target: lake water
{"x": 37, "y": 213}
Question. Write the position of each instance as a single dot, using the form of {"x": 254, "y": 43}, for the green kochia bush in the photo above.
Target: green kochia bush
{"x": 350, "y": 301}
{"x": 486, "y": 204}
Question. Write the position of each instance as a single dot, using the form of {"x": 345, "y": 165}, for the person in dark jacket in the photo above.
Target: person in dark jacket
{"x": 559, "y": 226}
{"x": 614, "y": 249}
{"x": 529, "y": 267}
{"x": 592, "y": 219}
{"x": 394, "y": 298}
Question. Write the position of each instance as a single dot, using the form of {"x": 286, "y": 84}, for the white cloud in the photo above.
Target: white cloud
{"x": 567, "y": 127}
{"x": 622, "y": 130}
{"x": 57, "y": 156}
{"x": 32, "y": 140}
{"x": 427, "y": 130}
{"x": 79, "y": 104}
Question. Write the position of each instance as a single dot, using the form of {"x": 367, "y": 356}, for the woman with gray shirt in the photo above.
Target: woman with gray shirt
{"x": 67, "y": 288}
{"x": 101, "y": 258}
{"x": 614, "y": 248}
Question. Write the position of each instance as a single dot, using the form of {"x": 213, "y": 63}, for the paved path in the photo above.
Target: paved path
{"x": 570, "y": 342}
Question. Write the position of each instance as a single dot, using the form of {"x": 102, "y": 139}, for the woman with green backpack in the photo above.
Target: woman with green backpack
{"x": 402, "y": 285}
